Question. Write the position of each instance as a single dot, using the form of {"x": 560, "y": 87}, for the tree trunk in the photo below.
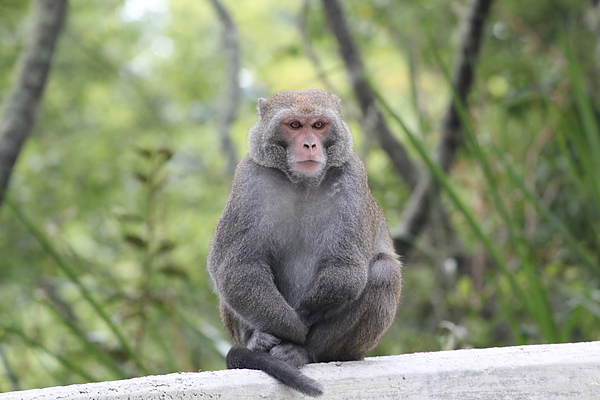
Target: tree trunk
{"x": 417, "y": 210}
{"x": 23, "y": 102}
{"x": 232, "y": 91}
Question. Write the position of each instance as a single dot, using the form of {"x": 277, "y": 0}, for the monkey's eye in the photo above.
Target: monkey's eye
{"x": 295, "y": 125}
{"x": 318, "y": 125}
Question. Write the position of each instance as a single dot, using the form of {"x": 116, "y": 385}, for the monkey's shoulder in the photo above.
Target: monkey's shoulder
{"x": 351, "y": 174}
{"x": 256, "y": 183}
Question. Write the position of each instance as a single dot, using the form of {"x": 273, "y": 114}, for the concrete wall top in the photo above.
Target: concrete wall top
{"x": 555, "y": 371}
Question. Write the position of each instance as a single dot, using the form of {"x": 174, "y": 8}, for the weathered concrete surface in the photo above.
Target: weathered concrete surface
{"x": 556, "y": 371}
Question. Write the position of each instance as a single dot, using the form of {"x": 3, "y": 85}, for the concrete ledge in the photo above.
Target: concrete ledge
{"x": 555, "y": 371}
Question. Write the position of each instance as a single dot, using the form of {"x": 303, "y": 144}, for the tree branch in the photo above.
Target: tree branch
{"x": 426, "y": 193}
{"x": 24, "y": 100}
{"x": 462, "y": 79}
{"x": 231, "y": 100}
{"x": 372, "y": 115}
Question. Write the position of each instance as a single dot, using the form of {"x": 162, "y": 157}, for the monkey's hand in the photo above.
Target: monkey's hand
{"x": 293, "y": 354}
{"x": 262, "y": 341}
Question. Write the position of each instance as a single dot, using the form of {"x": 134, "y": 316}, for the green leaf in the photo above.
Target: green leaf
{"x": 136, "y": 241}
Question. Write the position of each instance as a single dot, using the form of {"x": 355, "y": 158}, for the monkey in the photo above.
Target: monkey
{"x": 301, "y": 258}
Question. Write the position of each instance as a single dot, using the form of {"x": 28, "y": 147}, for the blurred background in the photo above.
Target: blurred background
{"x": 478, "y": 122}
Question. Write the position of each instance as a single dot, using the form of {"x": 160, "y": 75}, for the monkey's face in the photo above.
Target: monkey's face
{"x": 301, "y": 133}
{"x": 305, "y": 136}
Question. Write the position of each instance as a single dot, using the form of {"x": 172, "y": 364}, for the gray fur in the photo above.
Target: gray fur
{"x": 304, "y": 267}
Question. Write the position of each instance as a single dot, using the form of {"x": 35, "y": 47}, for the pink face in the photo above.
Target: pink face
{"x": 306, "y": 135}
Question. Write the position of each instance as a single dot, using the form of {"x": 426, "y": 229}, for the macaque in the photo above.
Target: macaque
{"x": 301, "y": 259}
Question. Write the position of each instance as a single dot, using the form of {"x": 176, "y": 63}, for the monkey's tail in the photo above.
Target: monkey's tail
{"x": 241, "y": 357}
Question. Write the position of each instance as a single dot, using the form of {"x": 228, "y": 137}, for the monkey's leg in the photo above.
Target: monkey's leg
{"x": 337, "y": 285}
{"x": 357, "y": 329}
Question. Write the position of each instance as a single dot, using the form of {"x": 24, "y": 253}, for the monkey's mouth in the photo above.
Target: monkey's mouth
{"x": 308, "y": 167}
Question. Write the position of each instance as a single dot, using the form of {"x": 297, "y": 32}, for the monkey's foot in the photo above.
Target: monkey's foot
{"x": 291, "y": 353}
{"x": 261, "y": 341}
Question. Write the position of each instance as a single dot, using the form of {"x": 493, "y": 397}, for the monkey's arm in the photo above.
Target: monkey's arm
{"x": 238, "y": 262}
{"x": 247, "y": 288}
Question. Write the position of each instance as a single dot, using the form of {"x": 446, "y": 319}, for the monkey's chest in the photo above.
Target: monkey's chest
{"x": 301, "y": 232}
{"x": 294, "y": 277}
{"x": 296, "y": 259}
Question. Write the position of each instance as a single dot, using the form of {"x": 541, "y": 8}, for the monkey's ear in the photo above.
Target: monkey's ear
{"x": 261, "y": 107}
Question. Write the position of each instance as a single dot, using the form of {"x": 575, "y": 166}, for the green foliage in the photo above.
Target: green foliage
{"x": 112, "y": 204}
